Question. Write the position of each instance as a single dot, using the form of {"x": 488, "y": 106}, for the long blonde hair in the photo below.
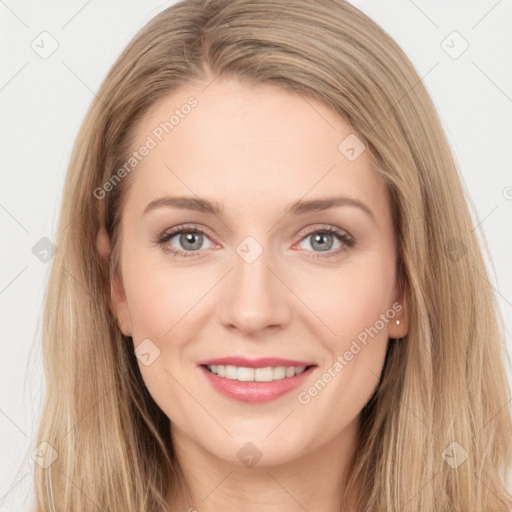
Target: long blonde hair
{"x": 443, "y": 394}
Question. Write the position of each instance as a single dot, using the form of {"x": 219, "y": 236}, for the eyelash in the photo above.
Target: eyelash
{"x": 346, "y": 240}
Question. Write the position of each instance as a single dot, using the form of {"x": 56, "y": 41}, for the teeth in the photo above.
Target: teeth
{"x": 290, "y": 371}
{"x": 244, "y": 374}
{"x": 231, "y": 372}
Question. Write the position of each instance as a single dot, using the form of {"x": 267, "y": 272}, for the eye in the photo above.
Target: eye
{"x": 322, "y": 241}
{"x": 189, "y": 239}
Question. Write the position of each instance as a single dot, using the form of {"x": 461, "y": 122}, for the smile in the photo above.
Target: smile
{"x": 264, "y": 374}
{"x": 255, "y": 385}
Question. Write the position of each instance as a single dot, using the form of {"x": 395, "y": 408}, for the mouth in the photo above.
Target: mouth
{"x": 255, "y": 384}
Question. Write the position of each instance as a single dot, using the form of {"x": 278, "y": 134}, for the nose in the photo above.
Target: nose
{"x": 255, "y": 298}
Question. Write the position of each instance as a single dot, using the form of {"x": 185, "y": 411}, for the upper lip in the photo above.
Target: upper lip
{"x": 261, "y": 362}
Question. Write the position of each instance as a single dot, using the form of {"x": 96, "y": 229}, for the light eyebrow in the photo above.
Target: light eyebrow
{"x": 296, "y": 208}
{"x": 318, "y": 205}
{"x": 185, "y": 203}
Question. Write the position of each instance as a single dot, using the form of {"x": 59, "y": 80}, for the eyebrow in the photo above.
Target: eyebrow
{"x": 296, "y": 208}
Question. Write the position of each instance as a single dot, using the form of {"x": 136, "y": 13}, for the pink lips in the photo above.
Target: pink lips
{"x": 255, "y": 392}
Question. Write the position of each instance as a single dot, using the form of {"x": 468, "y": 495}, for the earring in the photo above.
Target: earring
{"x": 398, "y": 322}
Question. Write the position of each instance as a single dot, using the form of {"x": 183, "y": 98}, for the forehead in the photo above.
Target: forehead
{"x": 244, "y": 145}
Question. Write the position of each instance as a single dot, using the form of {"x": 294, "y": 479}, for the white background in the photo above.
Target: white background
{"x": 43, "y": 102}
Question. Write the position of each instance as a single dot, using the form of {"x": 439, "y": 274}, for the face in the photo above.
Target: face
{"x": 263, "y": 277}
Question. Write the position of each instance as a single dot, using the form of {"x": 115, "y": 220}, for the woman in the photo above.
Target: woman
{"x": 327, "y": 342}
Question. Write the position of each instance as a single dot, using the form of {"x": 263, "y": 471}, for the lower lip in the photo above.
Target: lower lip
{"x": 255, "y": 392}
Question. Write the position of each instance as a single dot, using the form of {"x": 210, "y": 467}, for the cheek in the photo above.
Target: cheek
{"x": 353, "y": 306}
{"x": 348, "y": 299}
{"x": 159, "y": 296}
{"x": 162, "y": 304}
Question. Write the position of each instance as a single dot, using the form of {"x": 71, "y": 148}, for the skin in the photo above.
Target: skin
{"x": 255, "y": 150}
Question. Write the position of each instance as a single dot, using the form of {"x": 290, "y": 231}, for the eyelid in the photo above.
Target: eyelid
{"x": 325, "y": 227}
{"x": 186, "y": 227}
{"x": 177, "y": 230}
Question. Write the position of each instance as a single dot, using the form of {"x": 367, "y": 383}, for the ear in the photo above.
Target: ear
{"x": 398, "y": 326}
{"x": 119, "y": 304}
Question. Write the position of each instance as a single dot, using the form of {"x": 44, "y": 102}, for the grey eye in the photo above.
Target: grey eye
{"x": 322, "y": 241}
{"x": 189, "y": 240}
